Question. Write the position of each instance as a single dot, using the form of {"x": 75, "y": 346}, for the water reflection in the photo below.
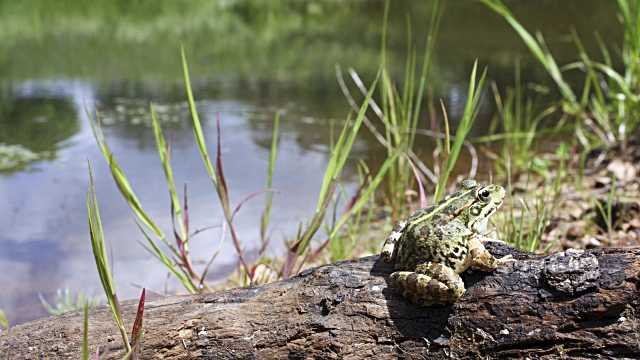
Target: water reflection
{"x": 37, "y": 118}
{"x": 44, "y": 209}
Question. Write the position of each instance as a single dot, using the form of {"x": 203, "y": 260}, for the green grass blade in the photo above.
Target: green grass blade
{"x": 434, "y": 26}
{"x": 332, "y": 165}
{"x": 126, "y": 189}
{"x": 470, "y": 112}
{"x": 197, "y": 126}
{"x": 4, "y": 322}
{"x": 537, "y": 48}
{"x": 102, "y": 262}
{"x": 342, "y": 149}
{"x": 85, "y": 332}
{"x": 170, "y": 264}
{"x": 365, "y": 196}
{"x": 273, "y": 154}
{"x": 338, "y": 158}
{"x": 165, "y": 159}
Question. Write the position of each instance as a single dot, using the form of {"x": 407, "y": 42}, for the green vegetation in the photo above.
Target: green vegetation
{"x": 13, "y": 157}
{"x": 85, "y": 332}
{"x": 452, "y": 151}
{"x": 603, "y": 112}
{"x": 607, "y": 110}
{"x": 178, "y": 260}
{"x": 401, "y": 109}
{"x": 102, "y": 262}
{"x": 517, "y": 124}
{"x": 98, "y": 247}
{"x": 4, "y": 323}
{"x": 64, "y": 302}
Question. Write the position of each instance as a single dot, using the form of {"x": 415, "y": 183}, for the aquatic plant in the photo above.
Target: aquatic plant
{"x": 13, "y": 157}
{"x": 64, "y": 301}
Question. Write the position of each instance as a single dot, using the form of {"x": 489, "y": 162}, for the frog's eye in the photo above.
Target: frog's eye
{"x": 484, "y": 194}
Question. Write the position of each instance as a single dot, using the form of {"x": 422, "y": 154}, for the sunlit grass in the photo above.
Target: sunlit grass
{"x": 4, "y": 322}
{"x": 540, "y": 51}
{"x": 299, "y": 252}
{"x": 516, "y": 126}
{"x": 85, "y": 332}
{"x": 146, "y": 224}
{"x": 401, "y": 109}
{"x": 605, "y": 209}
{"x": 178, "y": 260}
{"x": 339, "y": 154}
{"x": 64, "y": 301}
{"x": 608, "y": 109}
{"x": 216, "y": 174}
{"x": 98, "y": 247}
{"x": 524, "y": 221}
{"x": 470, "y": 113}
{"x": 266, "y": 213}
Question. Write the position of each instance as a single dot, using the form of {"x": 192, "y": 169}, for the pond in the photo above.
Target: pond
{"x": 62, "y": 61}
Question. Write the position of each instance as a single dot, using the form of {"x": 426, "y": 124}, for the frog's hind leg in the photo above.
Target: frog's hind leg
{"x": 390, "y": 243}
{"x": 431, "y": 283}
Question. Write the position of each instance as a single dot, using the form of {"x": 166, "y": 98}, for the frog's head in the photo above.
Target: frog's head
{"x": 487, "y": 199}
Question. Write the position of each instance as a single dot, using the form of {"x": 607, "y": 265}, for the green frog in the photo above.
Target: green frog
{"x": 434, "y": 245}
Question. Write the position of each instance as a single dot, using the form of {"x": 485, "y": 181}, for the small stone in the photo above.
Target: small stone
{"x": 591, "y": 242}
{"x": 532, "y": 332}
{"x": 504, "y": 332}
{"x": 441, "y": 341}
{"x": 185, "y": 333}
{"x": 624, "y": 171}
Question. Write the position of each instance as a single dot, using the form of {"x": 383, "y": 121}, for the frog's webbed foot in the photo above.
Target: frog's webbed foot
{"x": 431, "y": 283}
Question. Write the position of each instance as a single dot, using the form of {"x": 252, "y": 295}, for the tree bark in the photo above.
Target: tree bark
{"x": 570, "y": 304}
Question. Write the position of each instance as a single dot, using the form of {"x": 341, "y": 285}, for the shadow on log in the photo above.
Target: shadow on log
{"x": 573, "y": 304}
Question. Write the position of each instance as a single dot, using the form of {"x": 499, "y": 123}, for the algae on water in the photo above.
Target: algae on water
{"x": 13, "y": 157}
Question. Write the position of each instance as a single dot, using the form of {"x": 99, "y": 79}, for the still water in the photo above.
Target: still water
{"x": 249, "y": 60}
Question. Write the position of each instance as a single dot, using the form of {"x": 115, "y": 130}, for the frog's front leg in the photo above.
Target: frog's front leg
{"x": 431, "y": 283}
{"x": 481, "y": 259}
{"x": 392, "y": 239}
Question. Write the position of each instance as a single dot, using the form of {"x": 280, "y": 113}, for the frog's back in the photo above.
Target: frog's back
{"x": 435, "y": 240}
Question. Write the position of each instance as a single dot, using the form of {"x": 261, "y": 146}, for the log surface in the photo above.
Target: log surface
{"x": 571, "y": 304}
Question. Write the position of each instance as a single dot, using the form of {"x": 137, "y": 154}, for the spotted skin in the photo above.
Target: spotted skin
{"x": 435, "y": 244}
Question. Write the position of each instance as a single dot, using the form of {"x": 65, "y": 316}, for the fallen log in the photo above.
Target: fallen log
{"x": 580, "y": 304}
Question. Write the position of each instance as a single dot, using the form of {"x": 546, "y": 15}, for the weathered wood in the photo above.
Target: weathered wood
{"x": 572, "y": 304}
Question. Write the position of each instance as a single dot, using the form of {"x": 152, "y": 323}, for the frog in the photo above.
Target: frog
{"x": 434, "y": 245}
